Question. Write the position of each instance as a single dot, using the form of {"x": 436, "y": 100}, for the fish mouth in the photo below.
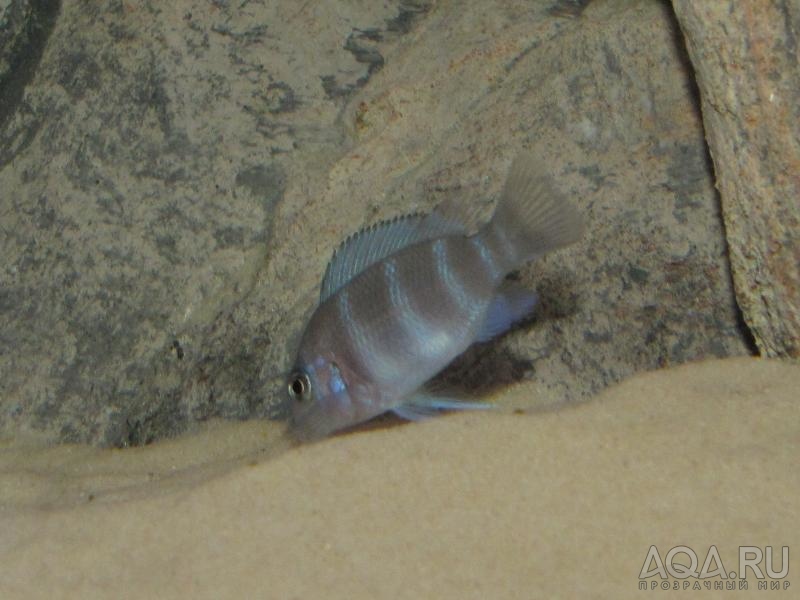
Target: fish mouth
{"x": 304, "y": 434}
{"x": 311, "y": 426}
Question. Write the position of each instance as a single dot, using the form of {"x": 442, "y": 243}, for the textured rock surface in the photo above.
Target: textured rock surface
{"x": 747, "y": 62}
{"x": 14, "y": 18}
{"x": 24, "y": 28}
{"x": 176, "y": 175}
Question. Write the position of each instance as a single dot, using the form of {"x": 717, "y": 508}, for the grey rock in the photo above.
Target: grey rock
{"x": 748, "y": 69}
{"x": 25, "y": 26}
{"x": 176, "y": 176}
{"x": 15, "y": 16}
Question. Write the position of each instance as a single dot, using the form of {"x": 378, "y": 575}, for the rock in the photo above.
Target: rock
{"x": 176, "y": 176}
{"x": 25, "y": 26}
{"x": 14, "y": 16}
{"x": 745, "y": 55}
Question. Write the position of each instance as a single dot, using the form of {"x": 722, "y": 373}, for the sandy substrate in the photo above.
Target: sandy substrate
{"x": 556, "y": 503}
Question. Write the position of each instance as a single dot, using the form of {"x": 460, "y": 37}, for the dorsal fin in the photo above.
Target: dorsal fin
{"x": 374, "y": 243}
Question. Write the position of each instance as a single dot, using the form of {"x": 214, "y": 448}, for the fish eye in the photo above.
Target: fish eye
{"x": 299, "y": 386}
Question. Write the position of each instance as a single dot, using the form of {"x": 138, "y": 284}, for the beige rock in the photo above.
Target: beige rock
{"x": 178, "y": 174}
{"x": 745, "y": 55}
{"x": 557, "y": 504}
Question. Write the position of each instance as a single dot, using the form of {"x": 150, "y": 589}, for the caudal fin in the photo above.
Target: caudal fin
{"x": 532, "y": 216}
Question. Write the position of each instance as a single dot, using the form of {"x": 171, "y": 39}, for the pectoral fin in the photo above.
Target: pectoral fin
{"x": 423, "y": 406}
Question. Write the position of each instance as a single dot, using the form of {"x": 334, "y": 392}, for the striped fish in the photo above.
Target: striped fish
{"x": 401, "y": 299}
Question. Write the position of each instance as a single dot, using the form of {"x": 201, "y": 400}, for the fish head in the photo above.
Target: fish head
{"x": 321, "y": 398}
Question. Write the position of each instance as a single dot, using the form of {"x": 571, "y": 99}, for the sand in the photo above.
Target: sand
{"x": 546, "y": 504}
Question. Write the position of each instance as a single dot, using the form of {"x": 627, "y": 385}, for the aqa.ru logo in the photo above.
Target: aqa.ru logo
{"x": 750, "y": 557}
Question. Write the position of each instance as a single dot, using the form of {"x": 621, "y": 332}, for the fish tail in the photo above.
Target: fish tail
{"x": 531, "y": 219}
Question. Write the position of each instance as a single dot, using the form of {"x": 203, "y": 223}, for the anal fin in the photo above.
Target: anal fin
{"x": 511, "y": 304}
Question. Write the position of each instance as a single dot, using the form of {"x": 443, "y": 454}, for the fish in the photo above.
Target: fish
{"x": 402, "y": 298}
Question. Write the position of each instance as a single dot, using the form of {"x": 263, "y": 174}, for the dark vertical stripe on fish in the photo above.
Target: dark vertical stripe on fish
{"x": 422, "y": 337}
{"x": 353, "y": 334}
{"x": 488, "y": 258}
{"x": 453, "y": 284}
